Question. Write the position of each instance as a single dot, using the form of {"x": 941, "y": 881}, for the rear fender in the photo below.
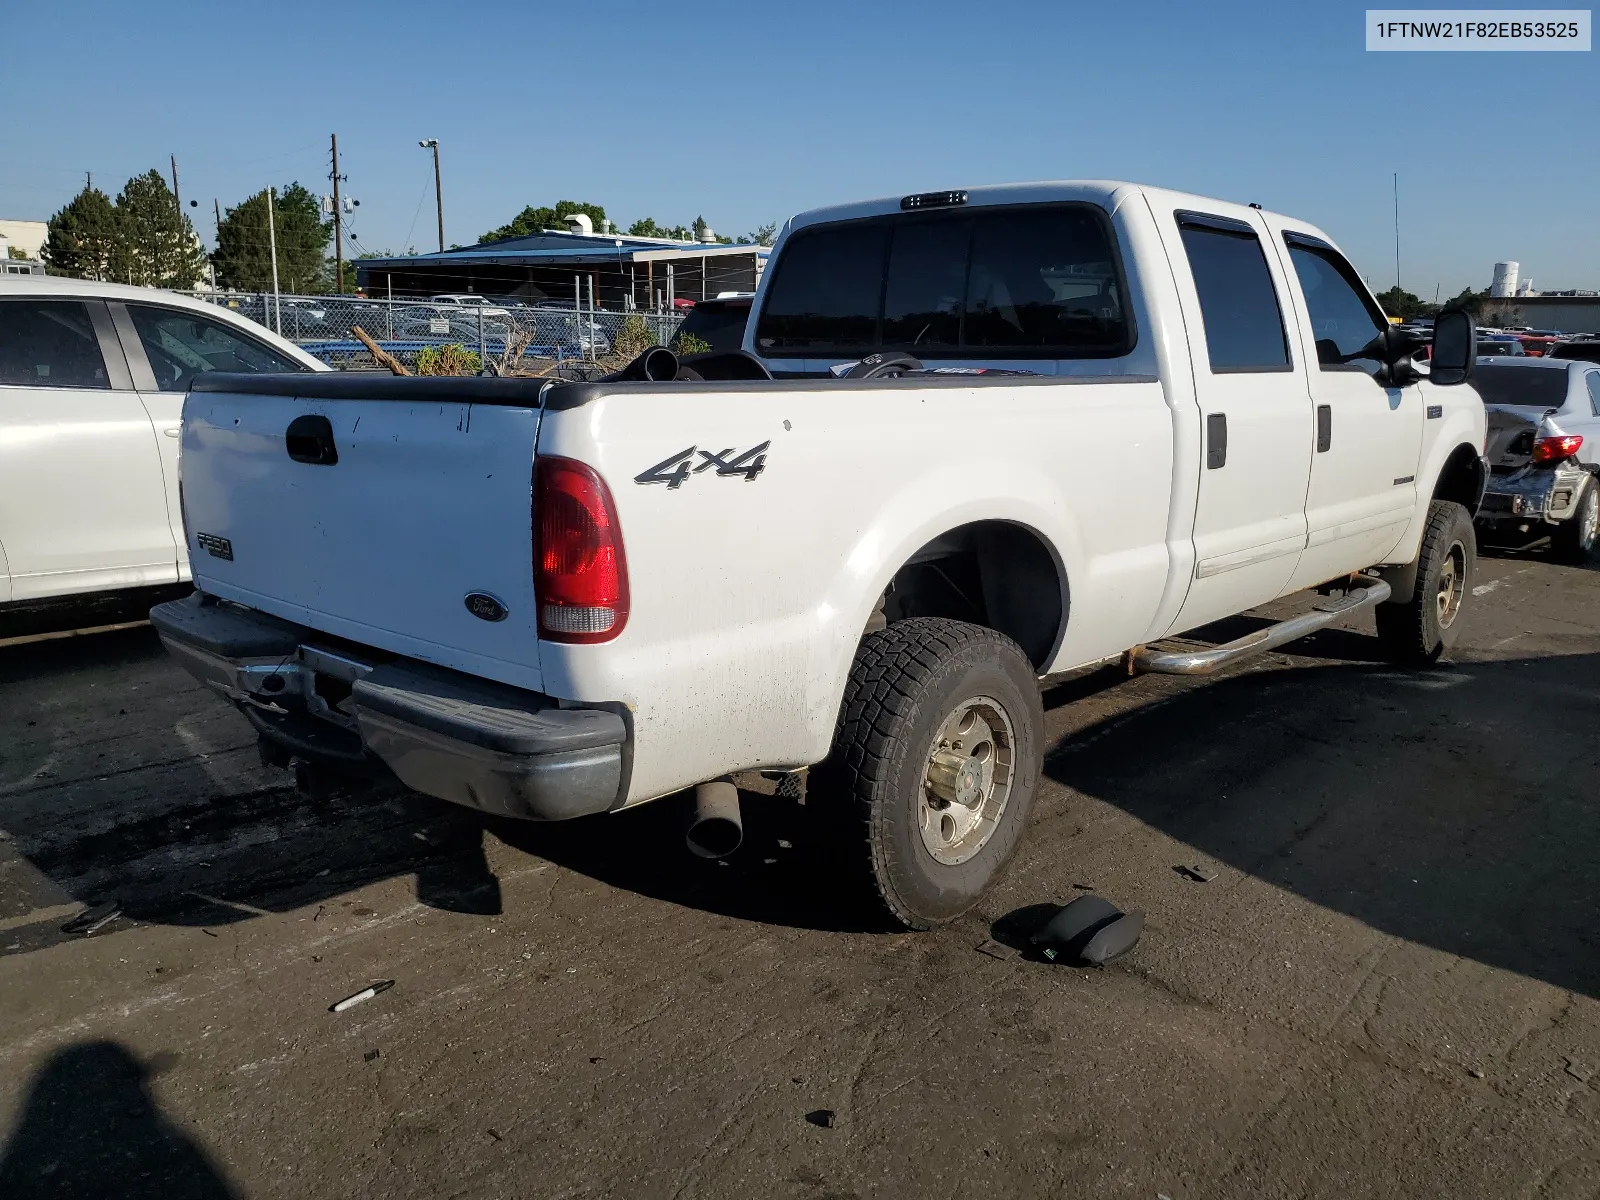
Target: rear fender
{"x": 914, "y": 517}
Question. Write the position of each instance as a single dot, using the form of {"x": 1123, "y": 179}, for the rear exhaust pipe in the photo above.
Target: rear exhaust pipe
{"x": 716, "y": 829}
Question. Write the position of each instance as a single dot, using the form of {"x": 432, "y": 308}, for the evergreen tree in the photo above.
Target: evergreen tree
{"x": 244, "y": 256}
{"x": 158, "y": 244}
{"x": 85, "y": 236}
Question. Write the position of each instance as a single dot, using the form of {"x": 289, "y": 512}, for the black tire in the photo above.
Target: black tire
{"x": 906, "y": 682}
{"x": 1573, "y": 540}
{"x": 1417, "y": 629}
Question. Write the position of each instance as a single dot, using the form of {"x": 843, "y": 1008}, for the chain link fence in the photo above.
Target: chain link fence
{"x": 513, "y": 336}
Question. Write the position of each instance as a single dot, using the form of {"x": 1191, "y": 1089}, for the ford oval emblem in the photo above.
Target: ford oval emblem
{"x": 485, "y": 607}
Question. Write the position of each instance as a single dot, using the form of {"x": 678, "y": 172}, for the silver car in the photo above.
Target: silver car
{"x": 1543, "y": 451}
{"x": 450, "y": 323}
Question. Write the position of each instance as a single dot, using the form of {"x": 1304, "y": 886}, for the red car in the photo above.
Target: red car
{"x": 1537, "y": 345}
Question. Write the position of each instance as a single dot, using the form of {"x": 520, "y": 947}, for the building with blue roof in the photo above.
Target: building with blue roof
{"x": 625, "y": 273}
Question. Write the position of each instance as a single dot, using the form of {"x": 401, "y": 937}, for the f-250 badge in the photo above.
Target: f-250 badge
{"x": 673, "y": 471}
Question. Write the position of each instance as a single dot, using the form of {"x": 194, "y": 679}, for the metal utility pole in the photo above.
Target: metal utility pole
{"x": 1397, "y": 230}
{"x": 338, "y": 224}
{"x": 272, "y": 241}
{"x": 176, "y": 200}
{"x": 438, "y": 188}
{"x": 216, "y": 207}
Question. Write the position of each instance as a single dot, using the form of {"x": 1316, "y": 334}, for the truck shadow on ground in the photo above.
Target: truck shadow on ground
{"x": 1455, "y": 808}
{"x": 91, "y": 1128}
{"x": 1450, "y": 807}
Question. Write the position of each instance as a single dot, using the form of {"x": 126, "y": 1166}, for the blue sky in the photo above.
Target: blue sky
{"x": 746, "y": 115}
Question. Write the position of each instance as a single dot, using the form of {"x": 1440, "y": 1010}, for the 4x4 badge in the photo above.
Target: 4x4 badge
{"x": 673, "y": 471}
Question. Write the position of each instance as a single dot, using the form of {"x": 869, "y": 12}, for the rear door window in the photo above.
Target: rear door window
{"x": 50, "y": 344}
{"x": 1036, "y": 282}
{"x": 1594, "y": 391}
{"x": 1238, "y": 303}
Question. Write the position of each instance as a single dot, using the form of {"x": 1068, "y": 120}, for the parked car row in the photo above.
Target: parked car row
{"x": 1511, "y": 343}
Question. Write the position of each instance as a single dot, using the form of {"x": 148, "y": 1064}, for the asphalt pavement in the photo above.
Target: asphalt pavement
{"x": 1387, "y": 985}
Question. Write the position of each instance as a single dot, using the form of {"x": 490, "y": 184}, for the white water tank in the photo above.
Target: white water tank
{"x": 1525, "y": 288}
{"x": 1505, "y": 280}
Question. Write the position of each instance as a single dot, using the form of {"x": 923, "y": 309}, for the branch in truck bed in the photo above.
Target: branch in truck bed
{"x": 381, "y": 356}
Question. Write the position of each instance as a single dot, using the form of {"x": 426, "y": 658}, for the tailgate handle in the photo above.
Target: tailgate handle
{"x": 309, "y": 439}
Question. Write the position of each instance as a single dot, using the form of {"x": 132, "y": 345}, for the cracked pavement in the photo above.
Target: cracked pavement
{"x": 1391, "y": 985}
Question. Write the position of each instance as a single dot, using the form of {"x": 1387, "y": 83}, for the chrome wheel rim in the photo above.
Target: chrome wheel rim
{"x": 966, "y": 780}
{"x": 1589, "y": 519}
{"x": 1452, "y": 583}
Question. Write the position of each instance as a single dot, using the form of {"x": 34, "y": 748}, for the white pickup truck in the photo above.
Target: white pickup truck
{"x": 1130, "y": 413}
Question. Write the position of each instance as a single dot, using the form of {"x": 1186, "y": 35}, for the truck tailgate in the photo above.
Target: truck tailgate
{"x": 428, "y": 503}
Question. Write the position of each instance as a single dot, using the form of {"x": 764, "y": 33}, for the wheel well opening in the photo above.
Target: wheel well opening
{"x": 1462, "y": 479}
{"x": 990, "y": 573}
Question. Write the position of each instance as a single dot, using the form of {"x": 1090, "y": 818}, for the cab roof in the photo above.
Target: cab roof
{"x": 1107, "y": 193}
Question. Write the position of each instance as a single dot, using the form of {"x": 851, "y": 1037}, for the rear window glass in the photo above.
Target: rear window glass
{"x": 828, "y": 292}
{"x": 1582, "y": 351}
{"x": 1039, "y": 282}
{"x": 1532, "y": 387}
{"x": 719, "y": 326}
{"x": 926, "y": 286}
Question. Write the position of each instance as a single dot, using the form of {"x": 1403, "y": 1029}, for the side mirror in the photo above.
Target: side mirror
{"x": 1393, "y": 348}
{"x": 1455, "y": 347}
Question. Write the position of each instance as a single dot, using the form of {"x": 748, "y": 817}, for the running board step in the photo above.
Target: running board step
{"x": 1204, "y": 662}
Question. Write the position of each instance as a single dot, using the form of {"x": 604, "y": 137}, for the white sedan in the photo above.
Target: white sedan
{"x": 92, "y": 381}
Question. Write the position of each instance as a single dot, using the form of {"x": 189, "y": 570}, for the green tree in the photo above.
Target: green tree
{"x": 1397, "y": 302}
{"x": 159, "y": 246}
{"x": 647, "y": 227}
{"x": 762, "y": 235}
{"x": 534, "y": 220}
{"x": 1468, "y": 300}
{"x": 244, "y": 243}
{"x": 85, "y": 237}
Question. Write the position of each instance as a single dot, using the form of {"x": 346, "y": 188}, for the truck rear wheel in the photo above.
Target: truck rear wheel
{"x": 934, "y": 764}
{"x": 1574, "y": 539}
{"x": 1415, "y": 630}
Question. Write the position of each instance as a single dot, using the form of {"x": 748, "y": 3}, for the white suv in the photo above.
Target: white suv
{"x": 92, "y": 381}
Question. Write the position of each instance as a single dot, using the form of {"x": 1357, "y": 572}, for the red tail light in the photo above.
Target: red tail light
{"x": 580, "y": 574}
{"x": 1556, "y": 449}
